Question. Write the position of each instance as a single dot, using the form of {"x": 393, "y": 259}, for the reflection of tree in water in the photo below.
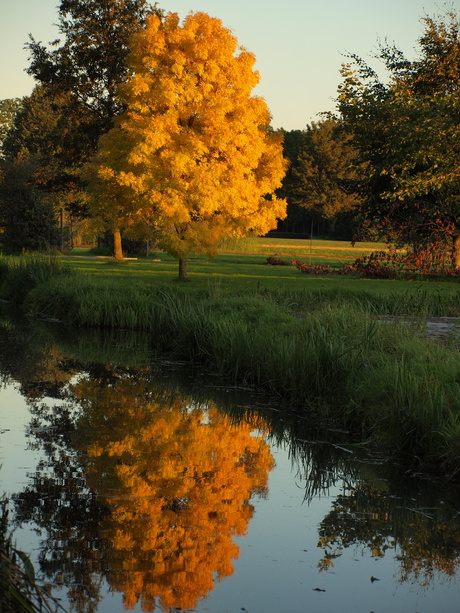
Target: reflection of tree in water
{"x": 426, "y": 540}
{"x": 379, "y": 510}
{"x": 44, "y": 358}
{"x": 139, "y": 487}
{"x": 178, "y": 479}
{"x": 39, "y": 367}
{"x": 65, "y": 512}
{"x": 148, "y": 489}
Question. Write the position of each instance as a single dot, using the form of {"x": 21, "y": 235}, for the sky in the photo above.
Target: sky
{"x": 299, "y": 44}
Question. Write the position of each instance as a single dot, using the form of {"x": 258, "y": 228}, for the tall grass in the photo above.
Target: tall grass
{"x": 414, "y": 302}
{"x": 19, "y": 275}
{"x": 321, "y": 352}
{"x": 90, "y": 303}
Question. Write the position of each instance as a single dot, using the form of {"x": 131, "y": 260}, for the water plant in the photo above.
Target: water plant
{"x": 19, "y": 590}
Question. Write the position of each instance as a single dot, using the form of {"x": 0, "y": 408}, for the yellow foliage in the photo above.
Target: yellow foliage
{"x": 192, "y": 156}
{"x": 178, "y": 479}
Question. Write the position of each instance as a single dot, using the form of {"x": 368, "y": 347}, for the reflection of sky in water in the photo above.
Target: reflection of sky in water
{"x": 277, "y": 569}
{"x": 280, "y": 557}
{"x": 14, "y": 417}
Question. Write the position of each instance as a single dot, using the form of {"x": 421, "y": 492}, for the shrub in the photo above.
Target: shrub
{"x": 272, "y": 261}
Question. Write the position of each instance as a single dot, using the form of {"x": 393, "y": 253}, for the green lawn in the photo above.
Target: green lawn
{"x": 237, "y": 271}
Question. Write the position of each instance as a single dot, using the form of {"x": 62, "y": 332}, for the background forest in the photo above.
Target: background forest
{"x": 77, "y": 162}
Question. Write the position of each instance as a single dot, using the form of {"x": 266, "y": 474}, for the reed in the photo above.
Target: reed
{"x": 19, "y": 590}
{"x": 19, "y": 275}
{"x": 322, "y": 352}
{"x": 90, "y": 303}
{"x": 409, "y": 398}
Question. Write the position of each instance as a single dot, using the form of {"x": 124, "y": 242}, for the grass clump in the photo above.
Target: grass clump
{"x": 406, "y": 395}
{"x": 92, "y": 303}
{"x": 19, "y": 275}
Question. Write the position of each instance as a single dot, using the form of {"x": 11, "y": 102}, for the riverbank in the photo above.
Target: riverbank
{"x": 323, "y": 353}
{"x": 109, "y": 435}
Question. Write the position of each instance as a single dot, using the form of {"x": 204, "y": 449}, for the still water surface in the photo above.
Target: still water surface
{"x": 134, "y": 490}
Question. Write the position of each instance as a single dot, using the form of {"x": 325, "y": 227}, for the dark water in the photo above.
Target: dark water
{"x": 134, "y": 488}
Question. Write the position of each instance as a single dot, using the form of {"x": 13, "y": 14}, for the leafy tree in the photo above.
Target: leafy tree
{"x": 44, "y": 138}
{"x": 90, "y": 62}
{"x": 323, "y": 170}
{"x": 28, "y": 218}
{"x": 79, "y": 75}
{"x": 192, "y": 155}
{"x": 407, "y": 132}
{"x": 8, "y": 109}
{"x": 51, "y": 128}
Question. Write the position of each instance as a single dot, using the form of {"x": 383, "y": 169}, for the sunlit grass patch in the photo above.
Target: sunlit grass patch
{"x": 302, "y": 247}
{"x": 249, "y": 272}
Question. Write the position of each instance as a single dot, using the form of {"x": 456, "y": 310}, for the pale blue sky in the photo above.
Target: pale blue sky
{"x": 298, "y": 43}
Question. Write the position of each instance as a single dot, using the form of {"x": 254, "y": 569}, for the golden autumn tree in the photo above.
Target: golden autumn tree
{"x": 193, "y": 156}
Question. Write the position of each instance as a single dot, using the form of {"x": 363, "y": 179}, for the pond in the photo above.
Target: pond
{"x": 137, "y": 485}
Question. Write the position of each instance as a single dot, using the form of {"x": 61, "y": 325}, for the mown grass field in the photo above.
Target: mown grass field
{"x": 241, "y": 266}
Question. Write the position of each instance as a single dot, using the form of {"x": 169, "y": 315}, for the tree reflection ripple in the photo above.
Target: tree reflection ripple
{"x": 149, "y": 490}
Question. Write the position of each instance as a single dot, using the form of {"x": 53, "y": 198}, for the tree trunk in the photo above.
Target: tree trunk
{"x": 61, "y": 223}
{"x": 117, "y": 250}
{"x": 182, "y": 269}
{"x": 456, "y": 252}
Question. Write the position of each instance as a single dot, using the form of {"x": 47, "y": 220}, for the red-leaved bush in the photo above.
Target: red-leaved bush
{"x": 384, "y": 265}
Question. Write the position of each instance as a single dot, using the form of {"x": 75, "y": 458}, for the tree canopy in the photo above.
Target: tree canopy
{"x": 8, "y": 109}
{"x": 90, "y": 61}
{"x": 322, "y": 171}
{"x": 408, "y": 133}
{"x": 47, "y": 139}
{"x": 26, "y": 215}
{"x": 193, "y": 155}
{"x": 76, "y": 99}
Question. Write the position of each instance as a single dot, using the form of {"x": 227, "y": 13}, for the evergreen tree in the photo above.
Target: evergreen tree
{"x": 28, "y": 218}
{"x": 322, "y": 172}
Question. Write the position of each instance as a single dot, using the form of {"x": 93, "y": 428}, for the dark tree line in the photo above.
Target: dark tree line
{"x": 384, "y": 166}
{"x": 57, "y": 128}
{"x": 319, "y": 183}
